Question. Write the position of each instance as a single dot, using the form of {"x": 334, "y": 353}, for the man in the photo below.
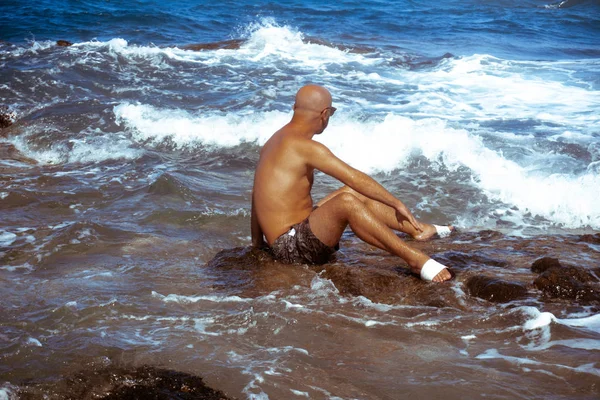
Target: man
{"x": 296, "y": 231}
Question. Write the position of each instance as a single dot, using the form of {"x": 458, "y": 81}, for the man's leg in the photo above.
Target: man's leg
{"x": 329, "y": 221}
{"x": 387, "y": 215}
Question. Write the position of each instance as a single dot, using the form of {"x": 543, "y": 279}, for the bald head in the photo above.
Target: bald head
{"x": 313, "y": 108}
{"x": 312, "y": 98}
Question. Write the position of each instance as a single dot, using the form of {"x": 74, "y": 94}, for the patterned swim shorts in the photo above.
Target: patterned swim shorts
{"x": 300, "y": 246}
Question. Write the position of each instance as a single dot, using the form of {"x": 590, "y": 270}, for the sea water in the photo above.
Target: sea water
{"x": 130, "y": 160}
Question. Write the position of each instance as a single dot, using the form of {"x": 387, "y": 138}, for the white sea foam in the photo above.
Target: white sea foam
{"x": 522, "y": 361}
{"x": 538, "y": 330}
{"x": 148, "y": 123}
{"x": 89, "y": 150}
{"x": 300, "y": 393}
{"x": 176, "y": 298}
{"x": 482, "y": 87}
{"x": 7, "y": 238}
{"x": 34, "y": 342}
{"x": 8, "y": 392}
{"x": 539, "y": 320}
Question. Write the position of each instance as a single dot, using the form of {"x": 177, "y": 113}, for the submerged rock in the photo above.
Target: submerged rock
{"x": 63, "y": 43}
{"x": 495, "y": 290}
{"x": 565, "y": 282}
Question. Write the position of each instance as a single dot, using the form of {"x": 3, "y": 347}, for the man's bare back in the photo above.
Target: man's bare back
{"x": 282, "y": 202}
{"x": 283, "y": 182}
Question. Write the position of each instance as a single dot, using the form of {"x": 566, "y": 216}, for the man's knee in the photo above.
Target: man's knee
{"x": 349, "y": 190}
{"x": 348, "y": 200}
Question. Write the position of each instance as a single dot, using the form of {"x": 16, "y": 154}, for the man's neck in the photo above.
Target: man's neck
{"x": 303, "y": 128}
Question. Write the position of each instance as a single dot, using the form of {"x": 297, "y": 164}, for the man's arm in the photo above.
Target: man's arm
{"x": 255, "y": 229}
{"x": 321, "y": 158}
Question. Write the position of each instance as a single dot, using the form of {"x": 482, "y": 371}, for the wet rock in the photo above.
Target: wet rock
{"x": 254, "y": 272}
{"x": 63, "y": 43}
{"x": 143, "y": 382}
{"x": 232, "y": 44}
{"x": 495, "y": 290}
{"x": 543, "y": 264}
{"x": 388, "y": 285}
{"x": 565, "y": 282}
{"x": 379, "y": 285}
{"x": 594, "y": 239}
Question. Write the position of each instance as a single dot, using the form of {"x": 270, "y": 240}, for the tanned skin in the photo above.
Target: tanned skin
{"x": 284, "y": 178}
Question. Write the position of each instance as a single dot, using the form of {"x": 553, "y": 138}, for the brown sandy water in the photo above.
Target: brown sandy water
{"x": 102, "y": 275}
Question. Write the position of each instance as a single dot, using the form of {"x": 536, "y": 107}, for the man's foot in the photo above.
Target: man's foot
{"x": 434, "y": 231}
{"x": 444, "y": 275}
{"x": 433, "y": 271}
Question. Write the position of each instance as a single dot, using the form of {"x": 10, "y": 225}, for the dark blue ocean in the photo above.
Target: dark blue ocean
{"x": 528, "y": 30}
{"x": 129, "y": 132}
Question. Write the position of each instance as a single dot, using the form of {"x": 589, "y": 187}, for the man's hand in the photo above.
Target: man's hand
{"x": 403, "y": 213}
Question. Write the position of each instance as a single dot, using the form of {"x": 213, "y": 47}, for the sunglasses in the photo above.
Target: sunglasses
{"x": 332, "y": 110}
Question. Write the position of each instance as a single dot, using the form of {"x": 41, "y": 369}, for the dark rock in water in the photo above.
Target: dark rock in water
{"x": 543, "y": 264}
{"x": 254, "y": 272}
{"x": 565, "y": 282}
{"x": 63, "y": 43}
{"x": 232, "y": 44}
{"x": 594, "y": 239}
{"x": 6, "y": 117}
{"x": 495, "y": 290}
{"x": 143, "y": 382}
{"x": 386, "y": 285}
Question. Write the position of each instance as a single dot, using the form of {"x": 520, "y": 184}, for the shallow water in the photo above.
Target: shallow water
{"x": 129, "y": 163}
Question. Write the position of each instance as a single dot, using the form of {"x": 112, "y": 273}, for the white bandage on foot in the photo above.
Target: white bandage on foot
{"x": 442, "y": 231}
{"x": 430, "y": 269}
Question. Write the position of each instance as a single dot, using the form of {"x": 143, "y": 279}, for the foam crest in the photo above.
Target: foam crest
{"x": 7, "y": 238}
{"x": 542, "y": 320}
{"x": 149, "y": 124}
{"x": 266, "y": 43}
{"x": 8, "y": 391}
{"x": 88, "y": 150}
{"x": 592, "y": 322}
{"x": 177, "y": 298}
{"x": 34, "y": 48}
{"x": 523, "y": 361}
{"x": 268, "y": 40}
